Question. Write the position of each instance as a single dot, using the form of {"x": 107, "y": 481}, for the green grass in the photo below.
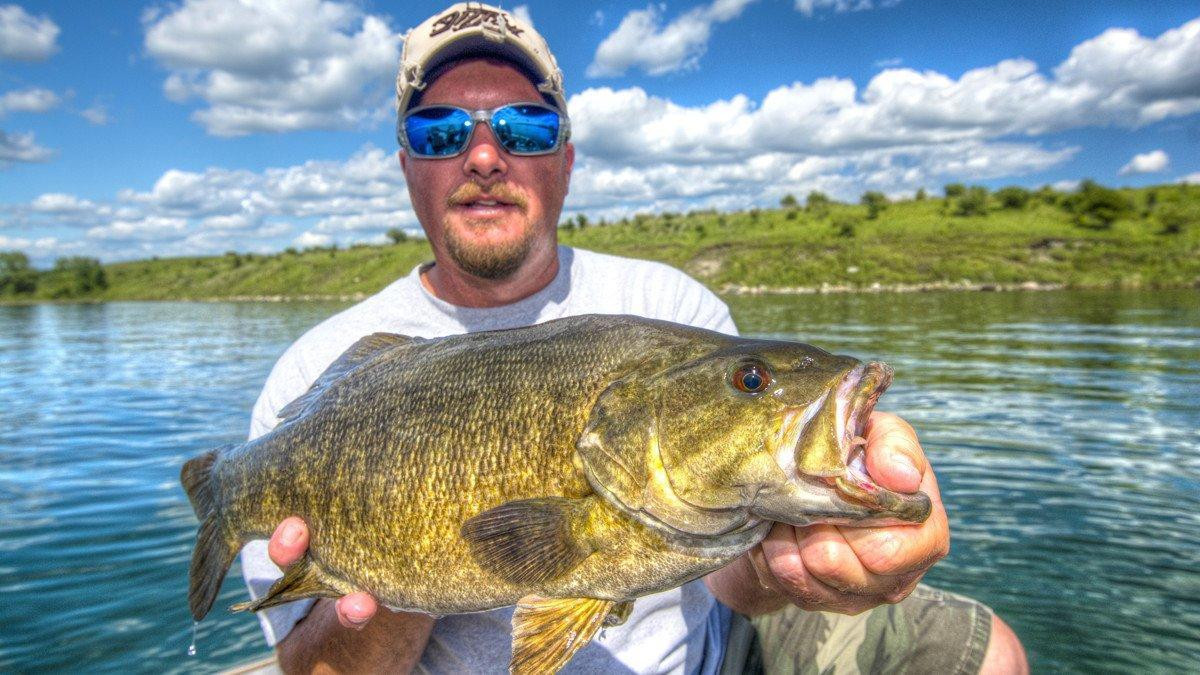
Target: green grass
{"x": 910, "y": 243}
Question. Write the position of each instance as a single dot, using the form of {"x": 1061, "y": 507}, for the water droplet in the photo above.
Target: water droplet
{"x": 192, "y": 647}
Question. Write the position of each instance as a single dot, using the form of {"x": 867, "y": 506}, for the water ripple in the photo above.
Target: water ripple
{"x": 1063, "y": 428}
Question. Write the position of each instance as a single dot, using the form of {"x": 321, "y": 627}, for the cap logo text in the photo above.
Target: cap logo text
{"x": 469, "y": 18}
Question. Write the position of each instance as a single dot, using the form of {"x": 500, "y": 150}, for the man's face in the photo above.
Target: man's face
{"x": 485, "y": 210}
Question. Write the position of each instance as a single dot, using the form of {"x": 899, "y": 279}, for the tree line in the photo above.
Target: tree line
{"x": 1092, "y": 205}
{"x": 70, "y": 277}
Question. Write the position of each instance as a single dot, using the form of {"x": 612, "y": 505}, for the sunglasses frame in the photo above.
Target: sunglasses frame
{"x": 485, "y": 117}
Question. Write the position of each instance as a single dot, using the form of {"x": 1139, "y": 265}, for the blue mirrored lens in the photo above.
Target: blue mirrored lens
{"x": 438, "y": 131}
{"x": 526, "y": 128}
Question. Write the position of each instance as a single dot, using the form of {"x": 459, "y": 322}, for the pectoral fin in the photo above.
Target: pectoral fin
{"x": 529, "y": 541}
{"x": 548, "y": 631}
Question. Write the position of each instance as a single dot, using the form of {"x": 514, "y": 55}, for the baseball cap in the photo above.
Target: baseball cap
{"x": 470, "y": 29}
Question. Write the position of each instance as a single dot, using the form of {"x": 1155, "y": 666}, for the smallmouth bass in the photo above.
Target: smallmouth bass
{"x": 567, "y": 468}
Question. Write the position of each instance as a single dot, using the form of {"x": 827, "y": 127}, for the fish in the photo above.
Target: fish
{"x": 567, "y": 468}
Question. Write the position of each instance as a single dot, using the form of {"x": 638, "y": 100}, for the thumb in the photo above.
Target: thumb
{"x": 289, "y": 542}
{"x": 895, "y": 459}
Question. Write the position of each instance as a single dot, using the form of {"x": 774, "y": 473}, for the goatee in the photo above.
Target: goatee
{"x": 488, "y": 262}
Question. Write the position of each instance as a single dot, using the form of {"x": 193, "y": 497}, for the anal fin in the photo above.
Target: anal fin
{"x": 548, "y": 631}
{"x": 619, "y": 614}
{"x": 301, "y": 580}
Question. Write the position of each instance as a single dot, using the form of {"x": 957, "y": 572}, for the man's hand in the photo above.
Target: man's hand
{"x": 288, "y": 545}
{"x": 846, "y": 569}
{"x": 380, "y": 642}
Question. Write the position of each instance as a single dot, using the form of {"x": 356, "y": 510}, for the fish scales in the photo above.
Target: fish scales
{"x": 519, "y": 447}
{"x": 567, "y": 468}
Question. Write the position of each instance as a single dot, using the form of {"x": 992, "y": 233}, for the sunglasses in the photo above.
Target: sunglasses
{"x": 439, "y": 131}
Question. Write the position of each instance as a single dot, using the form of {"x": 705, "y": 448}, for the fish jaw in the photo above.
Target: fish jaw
{"x": 821, "y": 449}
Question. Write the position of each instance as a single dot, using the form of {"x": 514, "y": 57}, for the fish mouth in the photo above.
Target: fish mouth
{"x": 824, "y": 445}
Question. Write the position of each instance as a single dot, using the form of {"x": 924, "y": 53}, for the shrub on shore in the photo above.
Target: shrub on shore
{"x": 16, "y": 276}
{"x": 973, "y": 201}
{"x": 1097, "y": 207}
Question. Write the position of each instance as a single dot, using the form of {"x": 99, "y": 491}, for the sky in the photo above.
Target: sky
{"x": 195, "y": 127}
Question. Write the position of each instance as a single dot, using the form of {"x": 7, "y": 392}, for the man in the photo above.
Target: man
{"x": 488, "y": 189}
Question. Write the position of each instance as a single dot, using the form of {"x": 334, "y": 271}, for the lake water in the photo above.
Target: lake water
{"x": 1064, "y": 428}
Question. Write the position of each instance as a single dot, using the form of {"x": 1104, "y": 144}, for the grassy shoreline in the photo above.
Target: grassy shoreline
{"x": 914, "y": 245}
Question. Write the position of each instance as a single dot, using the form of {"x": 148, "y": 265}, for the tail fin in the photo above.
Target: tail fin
{"x": 214, "y": 551}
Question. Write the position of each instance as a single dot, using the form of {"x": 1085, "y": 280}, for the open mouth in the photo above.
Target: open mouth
{"x": 824, "y": 444}
{"x": 856, "y": 398}
{"x": 485, "y": 204}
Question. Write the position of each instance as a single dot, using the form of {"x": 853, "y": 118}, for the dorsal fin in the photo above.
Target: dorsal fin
{"x": 360, "y": 352}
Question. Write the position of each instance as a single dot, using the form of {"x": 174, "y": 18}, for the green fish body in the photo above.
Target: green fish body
{"x": 566, "y": 468}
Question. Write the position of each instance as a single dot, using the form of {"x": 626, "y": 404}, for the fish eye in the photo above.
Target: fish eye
{"x": 751, "y": 378}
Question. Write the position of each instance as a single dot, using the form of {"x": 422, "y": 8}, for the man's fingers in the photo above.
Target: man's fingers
{"x": 903, "y": 549}
{"x": 848, "y": 569}
{"x": 894, "y": 457}
{"x": 890, "y": 551}
{"x": 289, "y": 542}
{"x": 288, "y": 545}
{"x": 780, "y": 563}
{"x": 829, "y": 559}
{"x": 355, "y": 610}
{"x": 784, "y": 567}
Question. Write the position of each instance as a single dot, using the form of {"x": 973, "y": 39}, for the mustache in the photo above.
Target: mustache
{"x": 469, "y": 192}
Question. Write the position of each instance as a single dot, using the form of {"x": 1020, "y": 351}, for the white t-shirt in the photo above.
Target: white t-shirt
{"x": 678, "y": 631}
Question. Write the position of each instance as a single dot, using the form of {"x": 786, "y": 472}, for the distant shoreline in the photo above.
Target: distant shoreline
{"x": 827, "y": 289}
{"x": 726, "y": 290}
{"x": 1013, "y": 240}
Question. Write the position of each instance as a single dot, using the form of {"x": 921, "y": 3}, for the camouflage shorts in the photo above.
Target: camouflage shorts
{"x": 931, "y": 631}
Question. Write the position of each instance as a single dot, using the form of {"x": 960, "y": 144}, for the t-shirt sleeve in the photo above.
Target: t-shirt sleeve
{"x": 287, "y": 382}
{"x": 690, "y": 302}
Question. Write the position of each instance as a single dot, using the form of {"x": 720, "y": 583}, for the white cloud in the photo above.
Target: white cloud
{"x": 24, "y": 37}
{"x": 366, "y": 222}
{"x": 61, "y": 204}
{"x": 38, "y": 248}
{"x": 234, "y": 221}
{"x": 275, "y": 66}
{"x": 97, "y": 115}
{"x": 214, "y": 192}
{"x": 1147, "y": 162}
{"x": 214, "y": 210}
{"x": 631, "y": 126}
{"x": 901, "y": 129}
{"x": 18, "y": 147}
{"x": 312, "y": 239}
{"x": 27, "y": 100}
{"x": 150, "y": 228}
{"x": 641, "y": 41}
{"x": 1134, "y": 79}
{"x": 522, "y": 13}
{"x": 810, "y": 7}
{"x": 1192, "y": 178}
{"x": 903, "y": 106}
{"x": 762, "y": 179}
